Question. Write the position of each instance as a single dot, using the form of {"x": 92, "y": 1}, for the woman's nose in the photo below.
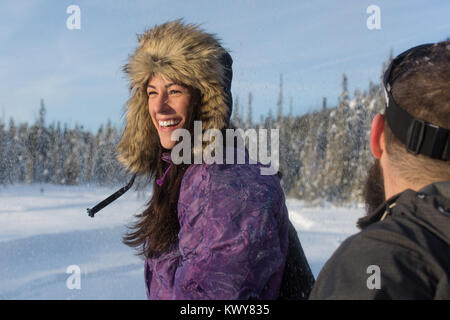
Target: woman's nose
{"x": 161, "y": 103}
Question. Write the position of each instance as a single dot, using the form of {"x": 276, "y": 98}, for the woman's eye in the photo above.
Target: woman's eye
{"x": 174, "y": 91}
{"x": 151, "y": 93}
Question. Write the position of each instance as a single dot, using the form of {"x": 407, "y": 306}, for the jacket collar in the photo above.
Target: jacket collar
{"x": 438, "y": 190}
{"x": 379, "y": 214}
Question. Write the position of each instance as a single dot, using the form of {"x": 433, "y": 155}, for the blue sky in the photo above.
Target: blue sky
{"x": 78, "y": 72}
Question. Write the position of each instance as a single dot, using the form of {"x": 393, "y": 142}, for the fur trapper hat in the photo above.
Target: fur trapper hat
{"x": 183, "y": 53}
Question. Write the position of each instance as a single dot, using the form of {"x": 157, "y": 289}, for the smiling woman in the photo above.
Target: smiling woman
{"x": 170, "y": 107}
{"x": 210, "y": 231}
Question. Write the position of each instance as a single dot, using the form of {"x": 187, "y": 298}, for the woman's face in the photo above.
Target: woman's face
{"x": 169, "y": 106}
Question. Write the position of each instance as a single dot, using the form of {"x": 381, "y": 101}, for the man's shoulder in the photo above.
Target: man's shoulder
{"x": 388, "y": 239}
{"x": 386, "y": 249}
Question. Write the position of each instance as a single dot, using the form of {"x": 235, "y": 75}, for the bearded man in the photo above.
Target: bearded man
{"x": 403, "y": 249}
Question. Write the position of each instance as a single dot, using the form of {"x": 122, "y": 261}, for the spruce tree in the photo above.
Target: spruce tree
{"x": 280, "y": 102}
{"x": 338, "y": 158}
{"x": 11, "y": 154}
{"x": 248, "y": 121}
{"x": 3, "y": 158}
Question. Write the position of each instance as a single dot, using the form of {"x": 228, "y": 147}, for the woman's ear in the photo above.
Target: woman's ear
{"x": 377, "y": 136}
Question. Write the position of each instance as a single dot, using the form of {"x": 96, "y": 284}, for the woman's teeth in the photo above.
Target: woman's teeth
{"x": 168, "y": 123}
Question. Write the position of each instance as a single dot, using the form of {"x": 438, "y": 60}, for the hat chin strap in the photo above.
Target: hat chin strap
{"x": 111, "y": 198}
{"x": 420, "y": 137}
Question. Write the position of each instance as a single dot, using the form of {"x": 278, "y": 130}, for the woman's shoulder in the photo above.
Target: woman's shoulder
{"x": 227, "y": 191}
{"x": 229, "y": 178}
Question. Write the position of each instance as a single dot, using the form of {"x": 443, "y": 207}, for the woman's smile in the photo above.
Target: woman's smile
{"x": 169, "y": 125}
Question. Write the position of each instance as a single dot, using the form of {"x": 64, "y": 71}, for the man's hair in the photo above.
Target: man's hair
{"x": 422, "y": 88}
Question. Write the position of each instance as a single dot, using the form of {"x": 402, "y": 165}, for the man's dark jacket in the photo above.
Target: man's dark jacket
{"x": 406, "y": 243}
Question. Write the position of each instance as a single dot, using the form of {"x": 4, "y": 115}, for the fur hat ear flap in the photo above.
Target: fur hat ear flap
{"x": 183, "y": 53}
{"x": 140, "y": 139}
{"x": 227, "y": 63}
{"x": 217, "y": 104}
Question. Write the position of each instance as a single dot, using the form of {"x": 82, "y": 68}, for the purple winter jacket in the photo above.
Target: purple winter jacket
{"x": 233, "y": 237}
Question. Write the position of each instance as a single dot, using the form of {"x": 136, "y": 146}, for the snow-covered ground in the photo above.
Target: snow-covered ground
{"x": 44, "y": 229}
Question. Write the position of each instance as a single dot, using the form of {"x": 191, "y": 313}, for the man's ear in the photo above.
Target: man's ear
{"x": 377, "y": 136}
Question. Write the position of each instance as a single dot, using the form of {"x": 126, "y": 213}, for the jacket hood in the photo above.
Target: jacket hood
{"x": 182, "y": 53}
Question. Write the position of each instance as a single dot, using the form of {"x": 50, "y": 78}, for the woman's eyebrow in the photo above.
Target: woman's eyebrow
{"x": 166, "y": 86}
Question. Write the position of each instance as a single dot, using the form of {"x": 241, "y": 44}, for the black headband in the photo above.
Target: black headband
{"x": 420, "y": 137}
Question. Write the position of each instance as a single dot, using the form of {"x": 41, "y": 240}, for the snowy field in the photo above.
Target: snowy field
{"x": 44, "y": 229}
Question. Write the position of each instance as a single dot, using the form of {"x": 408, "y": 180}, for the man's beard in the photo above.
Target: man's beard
{"x": 374, "y": 195}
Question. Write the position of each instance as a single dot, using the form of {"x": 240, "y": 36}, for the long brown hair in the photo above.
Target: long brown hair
{"x": 157, "y": 226}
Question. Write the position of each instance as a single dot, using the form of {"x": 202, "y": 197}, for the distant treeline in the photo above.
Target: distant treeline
{"x": 324, "y": 155}
{"x": 58, "y": 154}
